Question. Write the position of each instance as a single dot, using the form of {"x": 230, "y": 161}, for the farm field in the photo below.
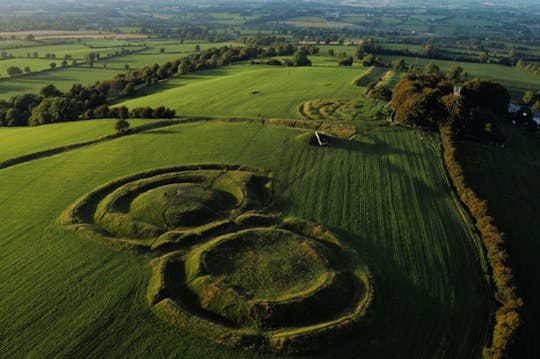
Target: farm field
{"x": 513, "y": 194}
{"x": 18, "y": 141}
{"x": 75, "y": 50}
{"x": 35, "y": 65}
{"x": 384, "y": 194}
{"x": 259, "y": 91}
{"x": 63, "y": 79}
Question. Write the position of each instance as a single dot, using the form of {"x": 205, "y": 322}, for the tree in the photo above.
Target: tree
{"x": 54, "y": 109}
{"x": 431, "y": 68}
{"x": 455, "y": 73}
{"x": 52, "y": 65}
{"x": 398, "y": 65}
{"x": 90, "y": 58}
{"x": 162, "y": 50}
{"x": 27, "y": 70}
{"x": 430, "y": 50}
{"x": 300, "y": 58}
{"x": 486, "y": 95}
{"x": 14, "y": 117}
{"x": 50, "y": 91}
{"x": 14, "y": 71}
{"x": 456, "y": 111}
{"x": 483, "y": 57}
{"x": 184, "y": 68}
{"x": 422, "y": 109}
{"x": 121, "y": 125}
{"x": 197, "y": 47}
{"x": 345, "y": 61}
{"x": 330, "y": 52}
{"x": 129, "y": 90}
{"x": 123, "y": 112}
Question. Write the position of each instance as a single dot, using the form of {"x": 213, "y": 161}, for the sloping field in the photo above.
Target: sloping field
{"x": 18, "y": 141}
{"x": 35, "y": 65}
{"x": 251, "y": 90}
{"x": 76, "y": 51}
{"x": 508, "y": 179}
{"x": 385, "y": 196}
{"x": 63, "y": 79}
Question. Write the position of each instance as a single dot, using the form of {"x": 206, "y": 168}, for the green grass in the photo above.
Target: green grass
{"x": 251, "y": 90}
{"x": 508, "y": 179}
{"x": 63, "y": 79}
{"x": 268, "y": 265}
{"x": 77, "y": 51}
{"x": 18, "y": 141}
{"x": 9, "y": 44}
{"x": 35, "y": 65}
{"x": 385, "y": 196}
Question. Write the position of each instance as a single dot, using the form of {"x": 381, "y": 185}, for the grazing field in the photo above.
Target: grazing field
{"x": 18, "y": 141}
{"x": 508, "y": 179}
{"x": 35, "y": 65}
{"x": 251, "y": 90}
{"x": 384, "y": 195}
{"x": 73, "y": 51}
{"x": 63, "y": 79}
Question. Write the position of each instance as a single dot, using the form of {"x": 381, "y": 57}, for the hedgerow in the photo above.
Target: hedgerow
{"x": 507, "y": 317}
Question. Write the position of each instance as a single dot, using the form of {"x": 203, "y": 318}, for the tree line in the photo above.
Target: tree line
{"x": 81, "y": 102}
{"x": 507, "y": 316}
{"x": 52, "y": 106}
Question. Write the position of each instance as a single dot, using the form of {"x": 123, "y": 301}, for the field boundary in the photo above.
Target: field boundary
{"x": 508, "y": 316}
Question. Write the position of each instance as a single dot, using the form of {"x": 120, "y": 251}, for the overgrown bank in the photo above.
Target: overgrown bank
{"x": 507, "y": 317}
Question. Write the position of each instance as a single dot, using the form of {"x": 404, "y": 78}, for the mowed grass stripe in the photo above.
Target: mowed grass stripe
{"x": 76, "y": 297}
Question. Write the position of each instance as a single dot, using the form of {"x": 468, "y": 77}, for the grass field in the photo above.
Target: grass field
{"x": 76, "y": 51}
{"x": 18, "y": 141}
{"x": 63, "y": 79}
{"x": 251, "y": 90}
{"x": 35, "y": 65}
{"x": 508, "y": 179}
{"x": 385, "y": 195}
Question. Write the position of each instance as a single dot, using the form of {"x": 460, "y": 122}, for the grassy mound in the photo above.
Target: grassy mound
{"x": 168, "y": 205}
{"x": 287, "y": 288}
{"x": 339, "y": 110}
{"x": 180, "y": 205}
{"x": 228, "y": 266}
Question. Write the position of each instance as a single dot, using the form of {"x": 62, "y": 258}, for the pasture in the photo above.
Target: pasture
{"x": 251, "y": 90}
{"x": 513, "y": 195}
{"x": 18, "y": 141}
{"x": 62, "y": 78}
{"x": 384, "y": 195}
{"x": 35, "y": 65}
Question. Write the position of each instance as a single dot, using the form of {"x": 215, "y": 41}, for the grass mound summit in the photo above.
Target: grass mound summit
{"x": 227, "y": 266}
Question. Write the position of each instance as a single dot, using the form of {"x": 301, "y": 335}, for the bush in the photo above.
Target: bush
{"x": 121, "y": 125}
